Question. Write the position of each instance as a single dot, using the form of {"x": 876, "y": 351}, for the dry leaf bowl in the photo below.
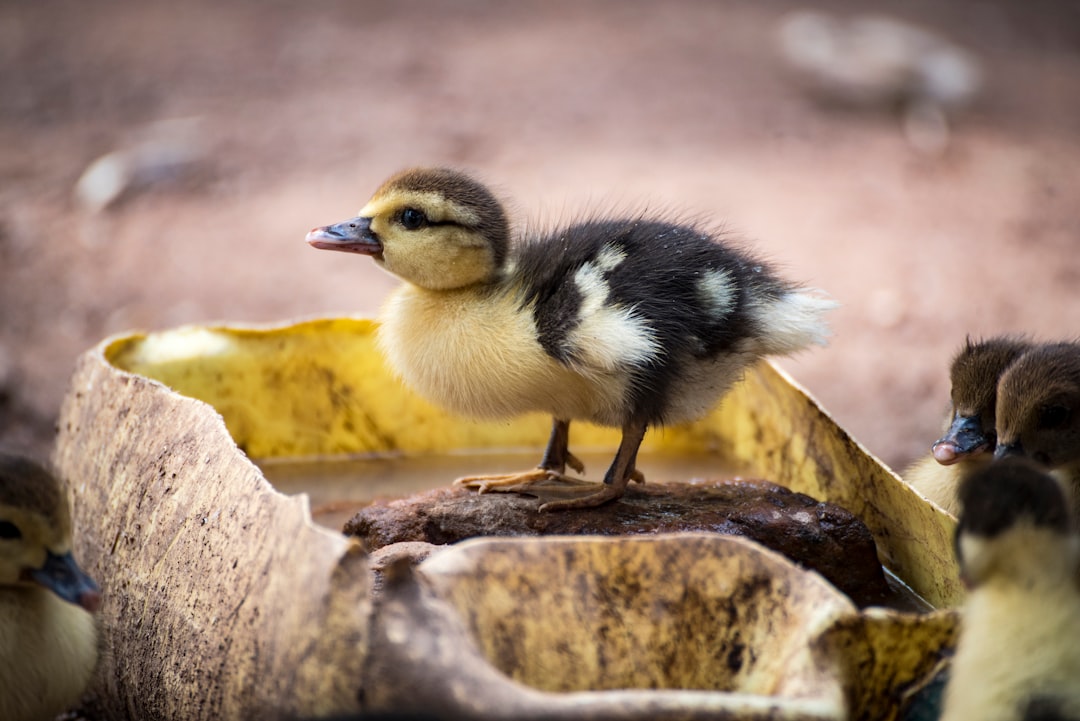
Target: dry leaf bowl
{"x": 222, "y": 599}
{"x": 677, "y": 626}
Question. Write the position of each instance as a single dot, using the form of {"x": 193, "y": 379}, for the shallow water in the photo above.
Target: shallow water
{"x": 339, "y": 487}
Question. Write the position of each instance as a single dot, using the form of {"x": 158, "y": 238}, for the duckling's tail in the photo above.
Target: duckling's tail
{"x": 793, "y": 321}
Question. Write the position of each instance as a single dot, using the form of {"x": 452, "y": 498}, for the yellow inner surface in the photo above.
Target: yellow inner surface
{"x": 321, "y": 388}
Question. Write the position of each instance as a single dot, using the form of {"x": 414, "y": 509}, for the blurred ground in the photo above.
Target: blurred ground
{"x": 304, "y": 107}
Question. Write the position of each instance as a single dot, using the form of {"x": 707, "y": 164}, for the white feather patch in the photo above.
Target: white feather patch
{"x": 608, "y": 337}
{"x": 609, "y": 258}
{"x": 716, "y": 292}
{"x": 793, "y": 321}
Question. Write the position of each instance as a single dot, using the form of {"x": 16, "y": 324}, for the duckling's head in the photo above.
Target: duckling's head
{"x": 974, "y": 374}
{"x": 35, "y": 534}
{"x": 1013, "y": 515}
{"x": 433, "y": 227}
{"x": 1038, "y": 406}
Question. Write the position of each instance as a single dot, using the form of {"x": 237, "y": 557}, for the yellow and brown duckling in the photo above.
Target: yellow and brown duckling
{"x": 48, "y": 635}
{"x": 1038, "y": 412}
{"x": 970, "y": 435}
{"x": 1019, "y": 553}
{"x": 626, "y": 322}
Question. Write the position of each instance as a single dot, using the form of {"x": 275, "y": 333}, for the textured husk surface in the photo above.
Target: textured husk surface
{"x": 223, "y": 600}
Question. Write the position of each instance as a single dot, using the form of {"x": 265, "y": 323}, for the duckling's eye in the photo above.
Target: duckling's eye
{"x": 1053, "y": 416}
{"x": 9, "y": 531}
{"x": 413, "y": 219}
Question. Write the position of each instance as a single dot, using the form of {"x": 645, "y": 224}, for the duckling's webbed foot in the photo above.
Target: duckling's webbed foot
{"x": 621, "y": 472}
{"x": 546, "y": 479}
{"x": 533, "y": 482}
{"x": 558, "y": 491}
{"x": 571, "y": 460}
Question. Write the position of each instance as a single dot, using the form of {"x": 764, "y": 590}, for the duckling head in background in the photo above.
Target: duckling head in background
{"x": 1006, "y": 500}
{"x": 974, "y": 374}
{"x": 1019, "y": 554}
{"x": 625, "y": 322}
{"x": 35, "y": 535}
{"x": 970, "y": 435}
{"x": 1038, "y": 409}
{"x": 48, "y": 636}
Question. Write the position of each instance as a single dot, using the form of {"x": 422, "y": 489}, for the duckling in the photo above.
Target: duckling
{"x": 969, "y": 428}
{"x": 1038, "y": 412}
{"x": 627, "y": 322}
{"x": 1019, "y": 554}
{"x": 48, "y": 635}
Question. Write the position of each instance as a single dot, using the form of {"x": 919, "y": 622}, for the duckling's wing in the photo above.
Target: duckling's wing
{"x": 567, "y": 280}
{"x": 647, "y": 298}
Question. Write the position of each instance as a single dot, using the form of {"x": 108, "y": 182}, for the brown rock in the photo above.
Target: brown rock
{"x": 819, "y": 536}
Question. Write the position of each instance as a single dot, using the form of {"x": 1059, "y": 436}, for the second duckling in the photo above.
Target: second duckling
{"x": 1019, "y": 553}
{"x": 1038, "y": 412}
{"x": 48, "y": 635}
{"x": 627, "y": 322}
{"x": 970, "y": 435}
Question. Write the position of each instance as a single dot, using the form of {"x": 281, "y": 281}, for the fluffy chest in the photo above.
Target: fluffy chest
{"x": 478, "y": 354}
{"x": 48, "y": 650}
{"x": 1017, "y": 643}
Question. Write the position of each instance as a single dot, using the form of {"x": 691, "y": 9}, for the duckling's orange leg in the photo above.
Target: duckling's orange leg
{"x": 557, "y": 457}
{"x": 621, "y": 472}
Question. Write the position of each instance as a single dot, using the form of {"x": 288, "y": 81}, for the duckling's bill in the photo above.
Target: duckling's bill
{"x": 61, "y": 575}
{"x": 965, "y": 437}
{"x": 351, "y": 236}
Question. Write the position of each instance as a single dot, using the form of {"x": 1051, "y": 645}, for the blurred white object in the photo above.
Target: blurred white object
{"x": 166, "y": 150}
{"x": 926, "y": 127}
{"x": 870, "y": 60}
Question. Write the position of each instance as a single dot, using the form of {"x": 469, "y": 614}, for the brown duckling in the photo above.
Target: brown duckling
{"x": 969, "y": 436}
{"x": 1038, "y": 411}
{"x": 1019, "y": 553}
{"x": 626, "y": 322}
{"x": 48, "y": 636}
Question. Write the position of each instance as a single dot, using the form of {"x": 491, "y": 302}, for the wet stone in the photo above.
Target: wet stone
{"x": 819, "y": 536}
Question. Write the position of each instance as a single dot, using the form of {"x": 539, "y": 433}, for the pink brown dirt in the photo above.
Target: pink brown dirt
{"x": 684, "y": 105}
